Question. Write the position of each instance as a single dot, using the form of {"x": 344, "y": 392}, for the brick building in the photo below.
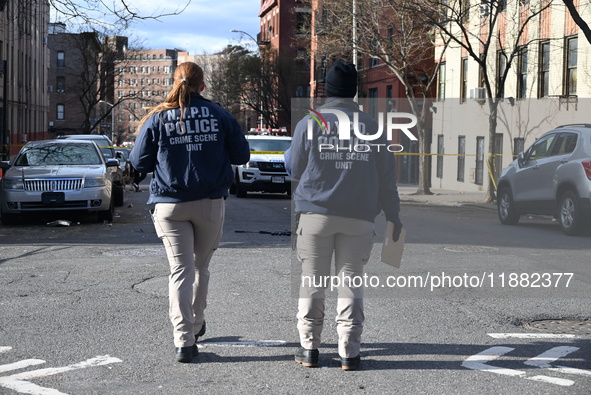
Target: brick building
{"x": 72, "y": 80}
{"x": 143, "y": 78}
{"x": 281, "y": 23}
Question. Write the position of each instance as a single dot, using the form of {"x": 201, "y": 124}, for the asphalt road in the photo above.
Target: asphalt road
{"x": 83, "y": 308}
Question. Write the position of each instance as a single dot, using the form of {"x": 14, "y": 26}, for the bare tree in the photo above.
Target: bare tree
{"x": 572, "y": 9}
{"x": 491, "y": 33}
{"x": 119, "y": 12}
{"x": 390, "y": 32}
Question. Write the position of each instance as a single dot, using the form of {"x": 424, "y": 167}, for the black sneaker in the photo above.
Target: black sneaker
{"x": 201, "y": 332}
{"x": 350, "y": 363}
{"x": 186, "y": 354}
{"x": 308, "y": 358}
{"x": 136, "y": 187}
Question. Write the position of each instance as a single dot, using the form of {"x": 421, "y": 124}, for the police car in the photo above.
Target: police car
{"x": 265, "y": 172}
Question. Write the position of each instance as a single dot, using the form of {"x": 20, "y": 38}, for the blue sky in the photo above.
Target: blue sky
{"x": 203, "y": 27}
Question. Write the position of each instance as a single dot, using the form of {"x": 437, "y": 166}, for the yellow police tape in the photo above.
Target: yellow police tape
{"x": 490, "y": 170}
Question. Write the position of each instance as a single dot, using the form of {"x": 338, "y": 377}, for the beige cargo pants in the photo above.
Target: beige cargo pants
{"x": 190, "y": 231}
{"x": 318, "y": 237}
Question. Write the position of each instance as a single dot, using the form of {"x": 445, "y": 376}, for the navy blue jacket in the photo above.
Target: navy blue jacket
{"x": 194, "y": 164}
{"x": 348, "y": 182}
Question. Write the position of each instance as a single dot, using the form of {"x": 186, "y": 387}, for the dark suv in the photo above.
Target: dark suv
{"x": 553, "y": 177}
{"x": 106, "y": 147}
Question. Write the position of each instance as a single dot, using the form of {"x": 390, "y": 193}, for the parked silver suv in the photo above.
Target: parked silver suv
{"x": 553, "y": 177}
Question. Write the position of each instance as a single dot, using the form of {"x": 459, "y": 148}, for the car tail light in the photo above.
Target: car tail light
{"x": 587, "y": 167}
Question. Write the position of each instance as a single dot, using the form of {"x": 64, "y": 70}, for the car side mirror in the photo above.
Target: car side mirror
{"x": 5, "y": 165}
{"x": 520, "y": 159}
{"x": 112, "y": 162}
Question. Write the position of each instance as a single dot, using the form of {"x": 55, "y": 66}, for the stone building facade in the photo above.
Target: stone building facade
{"x": 24, "y": 58}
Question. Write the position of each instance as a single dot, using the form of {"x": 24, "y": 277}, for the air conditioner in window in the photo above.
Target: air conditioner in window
{"x": 478, "y": 94}
{"x": 484, "y": 10}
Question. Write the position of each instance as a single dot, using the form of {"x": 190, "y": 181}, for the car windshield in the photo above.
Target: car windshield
{"x": 270, "y": 145}
{"x": 59, "y": 154}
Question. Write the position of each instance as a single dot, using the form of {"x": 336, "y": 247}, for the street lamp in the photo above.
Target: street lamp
{"x": 112, "y": 117}
{"x": 260, "y": 104}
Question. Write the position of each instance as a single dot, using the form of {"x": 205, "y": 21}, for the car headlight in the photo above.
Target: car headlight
{"x": 13, "y": 184}
{"x": 95, "y": 182}
{"x": 252, "y": 164}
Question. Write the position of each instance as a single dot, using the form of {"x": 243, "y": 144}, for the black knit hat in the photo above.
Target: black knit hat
{"x": 341, "y": 80}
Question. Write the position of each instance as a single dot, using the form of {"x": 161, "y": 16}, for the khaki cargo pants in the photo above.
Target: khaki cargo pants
{"x": 318, "y": 237}
{"x": 190, "y": 231}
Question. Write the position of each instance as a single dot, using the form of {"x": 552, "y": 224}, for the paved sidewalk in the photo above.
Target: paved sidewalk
{"x": 443, "y": 197}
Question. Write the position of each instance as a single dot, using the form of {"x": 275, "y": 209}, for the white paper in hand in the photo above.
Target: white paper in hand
{"x": 392, "y": 251}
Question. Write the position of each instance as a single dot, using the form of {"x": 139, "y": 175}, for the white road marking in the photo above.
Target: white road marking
{"x": 552, "y": 380}
{"x": 532, "y": 336}
{"x": 20, "y": 365}
{"x": 18, "y": 383}
{"x": 258, "y": 343}
{"x": 479, "y": 362}
{"x": 5, "y": 349}
{"x": 545, "y": 359}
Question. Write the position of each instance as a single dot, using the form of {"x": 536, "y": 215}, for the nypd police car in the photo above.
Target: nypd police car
{"x": 265, "y": 172}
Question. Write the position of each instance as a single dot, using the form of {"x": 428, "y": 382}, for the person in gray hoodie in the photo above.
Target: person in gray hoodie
{"x": 340, "y": 190}
{"x": 189, "y": 143}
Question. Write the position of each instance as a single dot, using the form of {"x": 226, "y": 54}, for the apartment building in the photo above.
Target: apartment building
{"x": 282, "y": 23}
{"x": 546, "y": 61}
{"x": 143, "y": 78}
{"x": 24, "y": 60}
{"x": 211, "y": 64}
{"x": 72, "y": 84}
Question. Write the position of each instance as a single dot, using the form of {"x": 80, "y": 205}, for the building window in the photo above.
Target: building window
{"x": 461, "y": 157}
{"x": 479, "y": 171}
{"x": 464, "y": 78}
{"x": 570, "y": 80}
{"x": 544, "y": 69}
{"x": 522, "y": 72}
{"x": 60, "y": 112}
{"x": 465, "y": 10}
{"x": 60, "y": 84}
{"x": 61, "y": 59}
{"x": 501, "y": 68}
{"x": 373, "y": 102}
{"x": 441, "y": 86}
{"x": 166, "y": 69}
{"x": 440, "y": 156}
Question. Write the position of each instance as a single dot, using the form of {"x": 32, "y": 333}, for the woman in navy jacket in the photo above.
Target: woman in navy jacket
{"x": 189, "y": 143}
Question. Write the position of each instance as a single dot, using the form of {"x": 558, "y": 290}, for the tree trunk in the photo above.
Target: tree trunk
{"x": 424, "y": 187}
{"x": 492, "y": 129}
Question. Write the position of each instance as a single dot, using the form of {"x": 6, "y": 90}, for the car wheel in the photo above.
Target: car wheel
{"x": 9, "y": 219}
{"x": 240, "y": 190}
{"x": 570, "y": 216}
{"x": 106, "y": 215}
{"x": 118, "y": 194}
{"x": 508, "y": 215}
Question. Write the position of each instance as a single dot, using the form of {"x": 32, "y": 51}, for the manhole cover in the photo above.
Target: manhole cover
{"x": 137, "y": 252}
{"x": 575, "y": 327}
{"x": 470, "y": 249}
